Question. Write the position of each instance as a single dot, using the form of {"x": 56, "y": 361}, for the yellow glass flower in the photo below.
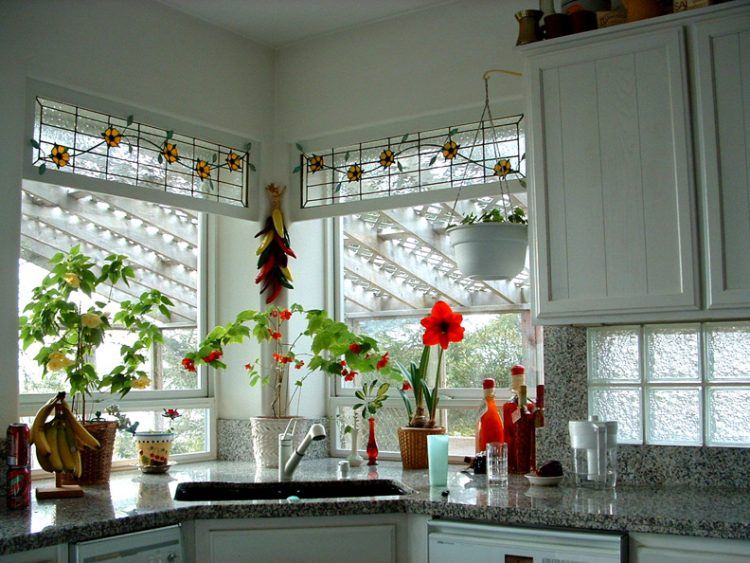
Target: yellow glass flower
{"x": 502, "y": 168}
{"x": 234, "y": 161}
{"x": 450, "y": 150}
{"x": 91, "y": 320}
{"x": 203, "y": 169}
{"x": 141, "y": 383}
{"x": 169, "y": 152}
{"x": 354, "y": 173}
{"x": 72, "y": 280}
{"x": 60, "y": 155}
{"x": 112, "y": 137}
{"x": 316, "y": 163}
{"x": 58, "y": 361}
{"x": 387, "y": 158}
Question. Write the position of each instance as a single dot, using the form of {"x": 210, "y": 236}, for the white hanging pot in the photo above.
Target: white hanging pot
{"x": 490, "y": 251}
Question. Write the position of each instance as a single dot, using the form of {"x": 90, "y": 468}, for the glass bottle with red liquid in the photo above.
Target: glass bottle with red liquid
{"x": 372, "y": 445}
{"x": 511, "y": 415}
{"x": 489, "y": 424}
{"x": 524, "y": 436}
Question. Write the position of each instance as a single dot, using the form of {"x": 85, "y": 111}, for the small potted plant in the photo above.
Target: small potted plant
{"x": 442, "y": 327}
{"x": 334, "y": 350}
{"x": 154, "y": 446}
{"x": 372, "y": 395}
{"x": 491, "y": 246}
{"x": 68, "y": 320}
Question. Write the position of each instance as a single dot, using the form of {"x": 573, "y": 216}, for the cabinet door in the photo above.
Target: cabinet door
{"x": 722, "y": 83}
{"x": 612, "y": 196}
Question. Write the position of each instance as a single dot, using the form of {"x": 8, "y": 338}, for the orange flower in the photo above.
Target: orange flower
{"x": 442, "y": 326}
{"x": 383, "y": 361}
{"x": 234, "y": 161}
{"x": 285, "y": 315}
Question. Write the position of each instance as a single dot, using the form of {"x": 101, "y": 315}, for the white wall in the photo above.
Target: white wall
{"x": 144, "y": 54}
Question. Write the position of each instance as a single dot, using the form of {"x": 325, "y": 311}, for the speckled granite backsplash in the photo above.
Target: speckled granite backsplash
{"x": 566, "y": 399}
{"x": 234, "y": 440}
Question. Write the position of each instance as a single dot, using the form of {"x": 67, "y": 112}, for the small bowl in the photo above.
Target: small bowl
{"x": 155, "y": 469}
{"x": 537, "y": 481}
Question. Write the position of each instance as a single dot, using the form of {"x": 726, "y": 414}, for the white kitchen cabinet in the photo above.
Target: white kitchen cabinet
{"x": 51, "y": 554}
{"x": 721, "y": 50}
{"x": 376, "y": 538}
{"x": 654, "y": 548}
{"x": 614, "y": 229}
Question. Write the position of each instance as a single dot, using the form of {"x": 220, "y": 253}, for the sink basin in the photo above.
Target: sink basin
{"x": 211, "y": 490}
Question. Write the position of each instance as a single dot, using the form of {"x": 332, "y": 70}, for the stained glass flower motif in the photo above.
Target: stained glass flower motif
{"x": 60, "y": 155}
{"x": 203, "y": 169}
{"x": 316, "y": 163}
{"x": 170, "y": 153}
{"x": 387, "y": 158}
{"x": 354, "y": 173}
{"x": 502, "y": 168}
{"x": 450, "y": 150}
{"x": 112, "y": 137}
{"x": 234, "y": 161}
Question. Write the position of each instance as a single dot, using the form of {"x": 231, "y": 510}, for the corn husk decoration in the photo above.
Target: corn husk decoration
{"x": 274, "y": 250}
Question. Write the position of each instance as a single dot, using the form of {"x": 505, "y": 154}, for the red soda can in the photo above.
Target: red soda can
{"x": 18, "y": 445}
{"x": 19, "y": 487}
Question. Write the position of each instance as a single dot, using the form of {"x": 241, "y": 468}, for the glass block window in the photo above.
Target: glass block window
{"x": 682, "y": 384}
{"x": 450, "y": 157}
{"x": 73, "y": 139}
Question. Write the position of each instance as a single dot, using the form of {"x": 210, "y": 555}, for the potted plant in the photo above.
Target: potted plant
{"x": 491, "y": 246}
{"x": 334, "y": 350}
{"x": 372, "y": 395}
{"x": 154, "y": 446}
{"x": 442, "y": 326}
{"x": 68, "y": 318}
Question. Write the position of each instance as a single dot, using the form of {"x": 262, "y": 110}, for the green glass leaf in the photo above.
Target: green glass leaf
{"x": 453, "y": 131}
{"x": 522, "y": 182}
{"x": 214, "y": 157}
{"x": 403, "y": 139}
{"x": 130, "y": 120}
{"x": 338, "y": 187}
{"x": 432, "y": 160}
{"x": 160, "y": 158}
{"x": 42, "y": 169}
{"x": 296, "y": 170}
{"x": 170, "y": 134}
{"x": 34, "y": 143}
{"x": 299, "y": 147}
{"x": 211, "y": 184}
{"x": 130, "y": 149}
{"x": 346, "y": 156}
{"x": 400, "y": 166}
{"x": 248, "y": 147}
{"x": 251, "y": 166}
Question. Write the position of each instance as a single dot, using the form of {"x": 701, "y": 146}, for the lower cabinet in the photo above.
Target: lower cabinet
{"x": 386, "y": 538}
{"x": 51, "y": 554}
{"x": 654, "y": 548}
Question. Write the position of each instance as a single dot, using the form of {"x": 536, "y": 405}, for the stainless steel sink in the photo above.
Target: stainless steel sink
{"x": 215, "y": 490}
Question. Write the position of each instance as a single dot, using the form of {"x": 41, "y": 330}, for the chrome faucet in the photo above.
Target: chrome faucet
{"x": 289, "y": 458}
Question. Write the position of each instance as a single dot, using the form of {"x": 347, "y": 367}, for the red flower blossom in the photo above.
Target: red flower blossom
{"x": 188, "y": 364}
{"x": 274, "y": 313}
{"x": 213, "y": 356}
{"x": 285, "y": 315}
{"x": 355, "y": 348}
{"x": 442, "y": 326}
{"x": 383, "y": 361}
{"x": 275, "y": 335}
{"x": 249, "y": 366}
{"x": 343, "y": 363}
{"x": 349, "y": 376}
{"x": 171, "y": 414}
{"x": 299, "y": 364}
{"x": 406, "y": 386}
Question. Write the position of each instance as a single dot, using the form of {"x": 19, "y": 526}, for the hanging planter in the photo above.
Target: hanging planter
{"x": 490, "y": 251}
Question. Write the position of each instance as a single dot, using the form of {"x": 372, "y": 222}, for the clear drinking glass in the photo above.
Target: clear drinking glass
{"x": 437, "y": 458}
{"x": 497, "y": 464}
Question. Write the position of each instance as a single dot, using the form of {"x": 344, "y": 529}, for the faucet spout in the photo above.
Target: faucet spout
{"x": 288, "y": 459}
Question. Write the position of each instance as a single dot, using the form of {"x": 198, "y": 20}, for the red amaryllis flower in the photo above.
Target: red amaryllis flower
{"x": 285, "y": 315}
{"x": 406, "y": 386}
{"x": 188, "y": 364}
{"x": 355, "y": 348}
{"x": 383, "y": 361}
{"x": 213, "y": 356}
{"x": 171, "y": 414}
{"x": 442, "y": 326}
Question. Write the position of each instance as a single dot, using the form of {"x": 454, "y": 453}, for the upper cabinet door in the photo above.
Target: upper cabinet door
{"x": 722, "y": 83}
{"x": 613, "y": 210}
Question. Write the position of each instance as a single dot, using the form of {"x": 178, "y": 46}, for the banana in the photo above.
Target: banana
{"x": 36, "y": 433}
{"x": 78, "y": 466}
{"x": 43, "y": 460}
{"x": 278, "y": 222}
{"x": 54, "y": 458}
{"x": 267, "y": 239}
{"x": 81, "y": 434}
{"x": 63, "y": 448}
{"x": 73, "y": 449}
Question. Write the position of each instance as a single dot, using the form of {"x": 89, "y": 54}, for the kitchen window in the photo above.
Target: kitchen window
{"x": 391, "y": 266}
{"x": 165, "y": 246}
{"x": 680, "y": 384}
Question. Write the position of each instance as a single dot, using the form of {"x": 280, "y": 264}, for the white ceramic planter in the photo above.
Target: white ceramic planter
{"x": 153, "y": 447}
{"x": 265, "y": 432}
{"x": 490, "y": 251}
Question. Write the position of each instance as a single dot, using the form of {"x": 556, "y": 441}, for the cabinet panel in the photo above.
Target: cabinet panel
{"x": 722, "y": 82}
{"x": 612, "y": 196}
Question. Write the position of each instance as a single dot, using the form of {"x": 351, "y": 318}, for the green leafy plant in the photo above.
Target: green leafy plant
{"x": 517, "y": 216}
{"x": 69, "y": 334}
{"x": 372, "y": 396}
{"x": 334, "y": 350}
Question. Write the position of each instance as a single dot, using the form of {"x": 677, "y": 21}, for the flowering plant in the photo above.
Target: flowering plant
{"x": 442, "y": 326}
{"x": 334, "y": 349}
{"x": 69, "y": 332}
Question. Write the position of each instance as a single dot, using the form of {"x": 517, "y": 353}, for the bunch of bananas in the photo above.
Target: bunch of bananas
{"x": 60, "y": 440}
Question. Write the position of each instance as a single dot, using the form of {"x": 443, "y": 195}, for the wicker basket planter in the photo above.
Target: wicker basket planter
{"x": 96, "y": 464}
{"x": 413, "y": 445}
{"x": 266, "y": 430}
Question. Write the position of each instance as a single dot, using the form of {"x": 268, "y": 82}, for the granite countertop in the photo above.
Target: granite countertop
{"x": 133, "y": 502}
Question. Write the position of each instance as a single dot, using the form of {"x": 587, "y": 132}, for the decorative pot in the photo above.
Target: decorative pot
{"x": 153, "y": 448}
{"x": 96, "y": 465}
{"x": 354, "y": 459}
{"x": 413, "y": 445}
{"x": 265, "y": 432}
{"x": 490, "y": 251}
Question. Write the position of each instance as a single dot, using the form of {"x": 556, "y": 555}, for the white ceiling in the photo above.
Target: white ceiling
{"x": 278, "y": 22}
